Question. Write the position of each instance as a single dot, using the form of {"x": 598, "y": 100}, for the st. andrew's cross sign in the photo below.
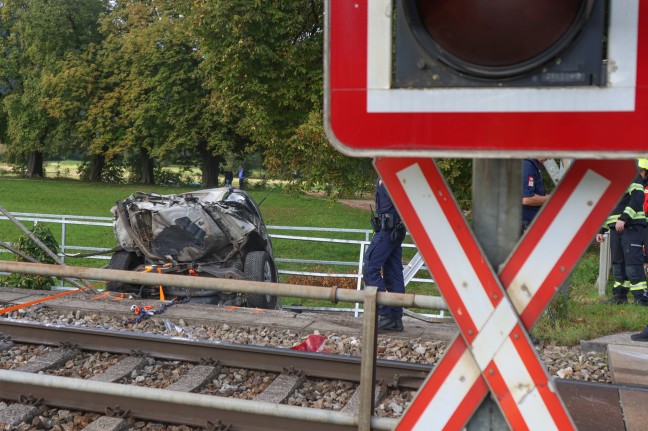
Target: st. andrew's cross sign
{"x": 460, "y": 105}
{"x": 494, "y": 314}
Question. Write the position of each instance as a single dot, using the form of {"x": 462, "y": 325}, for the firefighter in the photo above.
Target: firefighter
{"x": 383, "y": 263}
{"x": 644, "y": 163}
{"x": 627, "y": 225}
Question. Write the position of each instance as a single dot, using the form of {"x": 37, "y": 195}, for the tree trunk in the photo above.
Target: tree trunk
{"x": 96, "y": 170}
{"x": 147, "y": 167}
{"x": 35, "y": 165}
{"x": 210, "y": 166}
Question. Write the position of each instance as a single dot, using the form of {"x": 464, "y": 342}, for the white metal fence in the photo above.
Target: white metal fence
{"x": 415, "y": 271}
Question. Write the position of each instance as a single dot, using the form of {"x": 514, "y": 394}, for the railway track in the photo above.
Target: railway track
{"x": 285, "y": 377}
{"x": 198, "y": 383}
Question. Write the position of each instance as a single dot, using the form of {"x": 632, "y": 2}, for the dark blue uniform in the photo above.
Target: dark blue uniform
{"x": 532, "y": 184}
{"x": 385, "y": 254}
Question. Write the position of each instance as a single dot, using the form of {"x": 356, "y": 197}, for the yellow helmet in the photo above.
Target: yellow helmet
{"x": 642, "y": 163}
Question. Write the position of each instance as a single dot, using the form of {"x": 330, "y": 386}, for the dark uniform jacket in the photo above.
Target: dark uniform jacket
{"x": 630, "y": 208}
{"x": 384, "y": 204}
{"x": 532, "y": 184}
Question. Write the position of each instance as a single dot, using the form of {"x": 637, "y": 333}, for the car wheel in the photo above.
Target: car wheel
{"x": 260, "y": 267}
{"x": 125, "y": 261}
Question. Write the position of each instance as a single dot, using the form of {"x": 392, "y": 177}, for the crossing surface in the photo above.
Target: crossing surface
{"x": 628, "y": 361}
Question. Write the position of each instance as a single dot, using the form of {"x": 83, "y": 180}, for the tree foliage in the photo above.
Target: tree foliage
{"x": 37, "y": 35}
{"x": 141, "y": 84}
{"x": 458, "y": 174}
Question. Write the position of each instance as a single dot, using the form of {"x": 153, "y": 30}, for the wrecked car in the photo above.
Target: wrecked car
{"x": 214, "y": 232}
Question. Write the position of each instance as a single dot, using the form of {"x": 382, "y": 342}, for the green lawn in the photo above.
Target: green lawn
{"x": 584, "y": 316}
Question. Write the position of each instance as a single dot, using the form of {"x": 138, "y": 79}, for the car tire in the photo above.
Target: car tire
{"x": 125, "y": 261}
{"x": 260, "y": 267}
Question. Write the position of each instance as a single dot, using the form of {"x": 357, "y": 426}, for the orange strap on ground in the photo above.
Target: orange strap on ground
{"x": 118, "y": 298}
{"x": 110, "y": 295}
{"x": 100, "y": 296}
{"x": 38, "y": 301}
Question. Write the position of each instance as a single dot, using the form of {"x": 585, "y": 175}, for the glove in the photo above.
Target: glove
{"x": 646, "y": 268}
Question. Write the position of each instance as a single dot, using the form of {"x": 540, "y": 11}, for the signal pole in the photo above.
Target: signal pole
{"x": 497, "y": 212}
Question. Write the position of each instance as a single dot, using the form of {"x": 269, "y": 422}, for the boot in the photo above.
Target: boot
{"x": 642, "y": 336}
{"x": 398, "y": 324}
{"x": 619, "y": 296}
{"x": 385, "y": 323}
{"x": 640, "y": 297}
{"x": 390, "y": 323}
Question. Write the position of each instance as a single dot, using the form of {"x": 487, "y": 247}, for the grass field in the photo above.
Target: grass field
{"x": 581, "y": 317}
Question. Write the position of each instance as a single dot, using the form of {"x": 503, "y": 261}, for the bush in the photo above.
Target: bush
{"x": 30, "y": 248}
{"x": 167, "y": 177}
{"x": 113, "y": 172}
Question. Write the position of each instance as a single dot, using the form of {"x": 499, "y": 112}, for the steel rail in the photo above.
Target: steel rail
{"x": 177, "y": 407}
{"x": 333, "y": 294}
{"x": 320, "y": 365}
{"x": 245, "y": 416}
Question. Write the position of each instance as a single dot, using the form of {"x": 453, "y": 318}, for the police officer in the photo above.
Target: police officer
{"x": 533, "y": 191}
{"x": 385, "y": 254}
{"x": 627, "y": 225}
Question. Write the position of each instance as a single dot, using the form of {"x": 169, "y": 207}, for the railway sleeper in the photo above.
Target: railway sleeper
{"x": 17, "y": 413}
{"x": 121, "y": 369}
{"x": 5, "y": 343}
{"x": 52, "y": 359}
{"x": 195, "y": 379}
{"x": 107, "y": 423}
{"x": 280, "y": 388}
{"x": 353, "y": 405}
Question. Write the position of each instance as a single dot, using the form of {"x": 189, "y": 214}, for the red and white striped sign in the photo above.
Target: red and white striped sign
{"x": 365, "y": 115}
{"x": 493, "y": 314}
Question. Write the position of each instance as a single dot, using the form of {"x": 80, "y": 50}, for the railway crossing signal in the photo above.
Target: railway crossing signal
{"x": 464, "y": 43}
{"x": 493, "y": 314}
{"x": 568, "y": 96}
{"x": 446, "y": 101}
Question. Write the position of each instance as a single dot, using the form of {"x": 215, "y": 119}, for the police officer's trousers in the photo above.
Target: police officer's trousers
{"x": 383, "y": 254}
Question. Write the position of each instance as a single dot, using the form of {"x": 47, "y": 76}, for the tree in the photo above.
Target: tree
{"x": 152, "y": 106}
{"x": 38, "y": 35}
{"x": 265, "y": 65}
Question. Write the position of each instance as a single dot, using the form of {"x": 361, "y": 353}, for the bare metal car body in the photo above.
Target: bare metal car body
{"x": 214, "y": 232}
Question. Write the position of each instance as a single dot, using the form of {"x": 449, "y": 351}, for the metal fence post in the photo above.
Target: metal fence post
{"x": 368, "y": 365}
{"x": 356, "y": 307}
{"x": 604, "y": 266}
{"x": 63, "y": 239}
